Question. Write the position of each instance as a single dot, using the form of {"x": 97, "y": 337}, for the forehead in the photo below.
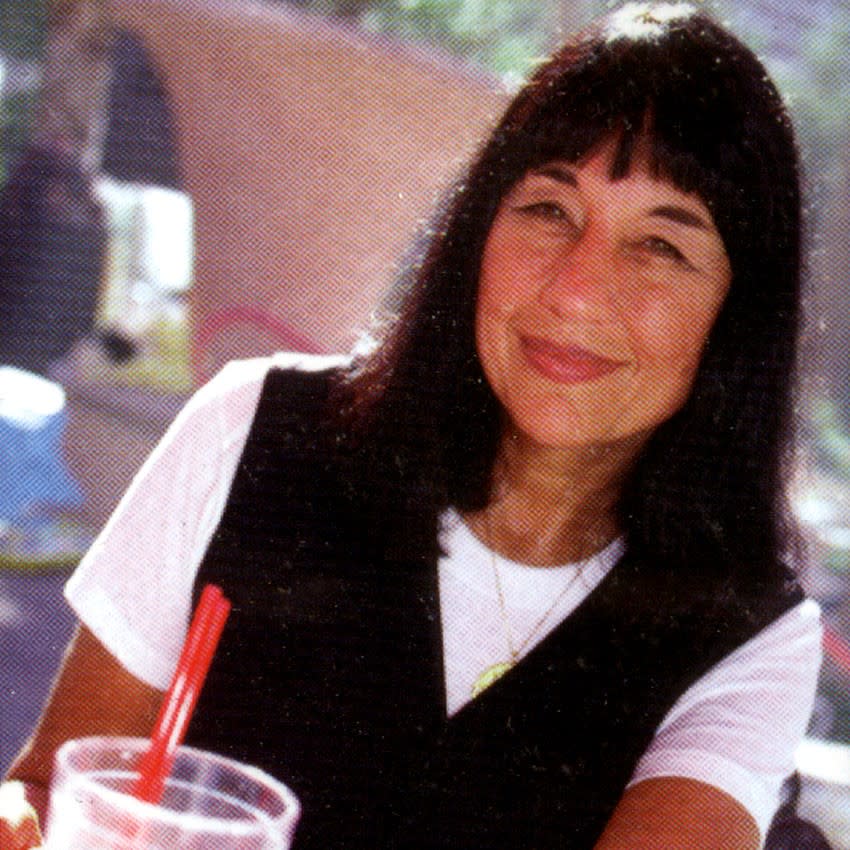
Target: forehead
{"x": 642, "y": 150}
{"x": 596, "y": 172}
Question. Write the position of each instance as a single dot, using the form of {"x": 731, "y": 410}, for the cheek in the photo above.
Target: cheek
{"x": 500, "y": 283}
{"x": 491, "y": 322}
{"x": 512, "y": 268}
{"x": 669, "y": 337}
{"x": 500, "y": 293}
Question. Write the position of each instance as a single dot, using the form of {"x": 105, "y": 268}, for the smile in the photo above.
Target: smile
{"x": 566, "y": 364}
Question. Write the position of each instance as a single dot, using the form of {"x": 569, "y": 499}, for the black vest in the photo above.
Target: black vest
{"x": 330, "y": 674}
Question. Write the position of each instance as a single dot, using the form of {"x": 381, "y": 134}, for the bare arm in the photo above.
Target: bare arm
{"x": 670, "y": 813}
{"x": 93, "y": 695}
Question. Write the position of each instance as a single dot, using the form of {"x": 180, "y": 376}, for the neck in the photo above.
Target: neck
{"x": 553, "y": 506}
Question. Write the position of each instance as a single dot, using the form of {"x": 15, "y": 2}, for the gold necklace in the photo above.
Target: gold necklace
{"x": 497, "y": 670}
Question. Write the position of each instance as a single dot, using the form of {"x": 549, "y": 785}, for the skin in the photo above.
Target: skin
{"x": 573, "y": 260}
{"x": 672, "y": 813}
{"x": 93, "y": 695}
{"x": 595, "y": 301}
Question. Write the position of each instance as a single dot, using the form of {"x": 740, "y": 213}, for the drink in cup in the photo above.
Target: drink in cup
{"x": 209, "y": 802}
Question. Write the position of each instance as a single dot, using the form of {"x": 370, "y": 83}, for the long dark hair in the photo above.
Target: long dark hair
{"x": 707, "y": 490}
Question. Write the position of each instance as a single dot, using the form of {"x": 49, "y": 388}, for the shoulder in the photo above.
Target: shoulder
{"x": 738, "y": 726}
{"x": 271, "y": 395}
{"x": 797, "y": 630}
{"x": 782, "y": 659}
{"x": 247, "y": 376}
{"x": 133, "y": 588}
{"x": 230, "y": 398}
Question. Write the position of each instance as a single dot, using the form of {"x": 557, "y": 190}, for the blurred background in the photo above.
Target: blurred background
{"x": 187, "y": 181}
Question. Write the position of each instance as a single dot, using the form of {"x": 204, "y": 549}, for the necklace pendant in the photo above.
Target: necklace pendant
{"x": 490, "y": 675}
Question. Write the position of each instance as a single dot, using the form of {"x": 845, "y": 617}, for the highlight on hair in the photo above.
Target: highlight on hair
{"x": 707, "y": 491}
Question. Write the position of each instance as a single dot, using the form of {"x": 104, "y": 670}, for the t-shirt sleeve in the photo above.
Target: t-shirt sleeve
{"x": 133, "y": 589}
{"x": 737, "y": 728}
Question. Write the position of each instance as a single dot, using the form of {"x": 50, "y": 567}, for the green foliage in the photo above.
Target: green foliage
{"x": 503, "y": 35}
{"x": 837, "y": 560}
{"x": 833, "y": 688}
{"x": 832, "y": 440}
{"x": 500, "y": 34}
{"x": 22, "y": 36}
{"x": 15, "y": 112}
{"x": 822, "y": 92}
{"x": 810, "y": 63}
{"x": 22, "y": 28}
{"x": 820, "y": 101}
{"x": 814, "y": 82}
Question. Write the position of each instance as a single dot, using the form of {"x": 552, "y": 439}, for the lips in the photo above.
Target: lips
{"x": 566, "y": 364}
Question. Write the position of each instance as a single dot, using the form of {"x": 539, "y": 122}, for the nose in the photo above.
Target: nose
{"x": 581, "y": 280}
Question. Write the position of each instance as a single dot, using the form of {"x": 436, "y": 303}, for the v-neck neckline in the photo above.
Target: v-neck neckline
{"x": 548, "y": 658}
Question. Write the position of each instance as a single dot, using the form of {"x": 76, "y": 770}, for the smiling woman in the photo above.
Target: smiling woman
{"x": 515, "y": 576}
{"x": 595, "y": 301}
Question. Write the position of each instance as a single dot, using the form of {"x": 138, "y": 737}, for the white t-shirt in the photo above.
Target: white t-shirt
{"x": 736, "y": 728}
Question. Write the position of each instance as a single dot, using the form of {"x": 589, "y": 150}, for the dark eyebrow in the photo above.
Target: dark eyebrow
{"x": 680, "y": 215}
{"x": 672, "y": 212}
{"x": 556, "y": 173}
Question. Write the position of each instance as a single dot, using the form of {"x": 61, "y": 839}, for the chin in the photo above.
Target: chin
{"x": 559, "y": 434}
{"x": 572, "y": 431}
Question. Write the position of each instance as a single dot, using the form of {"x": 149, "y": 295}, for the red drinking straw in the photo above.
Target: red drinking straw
{"x": 179, "y": 703}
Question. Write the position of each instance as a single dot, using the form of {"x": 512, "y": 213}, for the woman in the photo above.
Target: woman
{"x": 515, "y": 578}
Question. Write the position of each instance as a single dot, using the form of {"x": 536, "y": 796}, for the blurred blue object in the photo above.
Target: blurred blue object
{"x": 35, "y": 542}
{"x": 33, "y": 475}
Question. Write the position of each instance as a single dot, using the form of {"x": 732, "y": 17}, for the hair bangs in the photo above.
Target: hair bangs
{"x": 681, "y": 108}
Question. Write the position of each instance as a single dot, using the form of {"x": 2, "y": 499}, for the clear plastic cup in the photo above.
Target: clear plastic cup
{"x": 210, "y": 802}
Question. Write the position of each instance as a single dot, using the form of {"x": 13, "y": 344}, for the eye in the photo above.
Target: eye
{"x": 549, "y": 213}
{"x": 543, "y": 209}
{"x": 658, "y": 247}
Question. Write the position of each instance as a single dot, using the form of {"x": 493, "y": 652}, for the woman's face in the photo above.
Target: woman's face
{"x": 595, "y": 301}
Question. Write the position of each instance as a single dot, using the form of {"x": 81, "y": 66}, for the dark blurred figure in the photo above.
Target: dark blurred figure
{"x": 52, "y": 253}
